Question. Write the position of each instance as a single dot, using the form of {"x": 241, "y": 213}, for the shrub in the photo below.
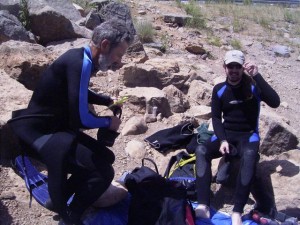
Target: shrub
{"x": 144, "y": 30}
{"x": 24, "y": 14}
{"x": 236, "y": 44}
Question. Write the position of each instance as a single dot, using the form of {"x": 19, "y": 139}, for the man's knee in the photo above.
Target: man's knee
{"x": 251, "y": 155}
{"x": 201, "y": 150}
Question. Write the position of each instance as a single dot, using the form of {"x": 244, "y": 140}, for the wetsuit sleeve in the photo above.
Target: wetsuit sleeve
{"x": 99, "y": 99}
{"x": 77, "y": 81}
{"x": 267, "y": 93}
{"x": 216, "y": 111}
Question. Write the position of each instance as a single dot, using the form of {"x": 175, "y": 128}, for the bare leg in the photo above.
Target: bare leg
{"x": 236, "y": 218}
{"x": 202, "y": 211}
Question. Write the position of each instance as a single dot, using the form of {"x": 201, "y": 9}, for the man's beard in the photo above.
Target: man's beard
{"x": 103, "y": 62}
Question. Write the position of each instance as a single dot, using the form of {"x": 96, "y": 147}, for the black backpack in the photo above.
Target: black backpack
{"x": 182, "y": 168}
{"x": 156, "y": 200}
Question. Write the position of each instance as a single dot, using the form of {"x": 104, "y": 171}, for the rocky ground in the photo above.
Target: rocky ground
{"x": 281, "y": 72}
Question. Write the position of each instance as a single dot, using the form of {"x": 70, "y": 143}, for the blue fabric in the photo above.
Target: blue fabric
{"x": 87, "y": 118}
{"x": 118, "y": 215}
{"x": 221, "y": 91}
{"x": 113, "y": 215}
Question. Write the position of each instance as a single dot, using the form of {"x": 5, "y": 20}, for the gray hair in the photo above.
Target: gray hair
{"x": 114, "y": 30}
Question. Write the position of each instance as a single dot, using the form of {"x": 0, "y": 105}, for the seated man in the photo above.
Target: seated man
{"x": 51, "y": 126}
{"x": 237, "y": 102}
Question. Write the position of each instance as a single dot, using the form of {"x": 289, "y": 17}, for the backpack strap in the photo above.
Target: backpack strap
{"x": 182, "y": 158}
{"x": 26, "y": 177}
{"x": 150, "y": 160}
{"x": 172, "y": 160}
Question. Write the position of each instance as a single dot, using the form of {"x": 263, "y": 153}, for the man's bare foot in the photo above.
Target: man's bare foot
{"x": 236, "y": 218}
{"x": 202, "y": 211}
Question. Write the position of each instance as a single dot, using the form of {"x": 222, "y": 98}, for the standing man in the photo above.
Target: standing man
{"x": 50, "y": 127}
{"x": 235, "y": 115}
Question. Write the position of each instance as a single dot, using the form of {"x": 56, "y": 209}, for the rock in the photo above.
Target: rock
{"x": 200, "y": 93}
{"x": 176, "y": 99}
{"x": 7, "y": 195}
{"x": 199, "y": 112}
{"x": 93, "y": 19}
{"x": 61, "y": 26}
{"x": 150, "y": 118}
{"x": 120, "y": 11}
{"x": 281, "y": 50}
{"x": 195, "y": 49}
{"x": 19, "y": 60}
{"x": 284, "y": 105}
{"x": 145, "y": 99}
{"x": 12, "y": 29}
{"x": 180, "y": 20}
{"x": 136, "y": 149}
{"x": 135, "y": 125}
{"x": 278, "y": 139}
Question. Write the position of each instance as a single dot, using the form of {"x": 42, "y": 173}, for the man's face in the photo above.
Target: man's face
{"x": 113, "y": 58}
{"x": 234, "y": 72}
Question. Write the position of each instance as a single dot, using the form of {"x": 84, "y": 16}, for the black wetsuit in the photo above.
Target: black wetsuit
{"x": 239, "y": 108}
{"x": 50, "y": 128}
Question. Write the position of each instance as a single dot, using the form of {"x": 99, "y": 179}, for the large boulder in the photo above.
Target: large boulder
{"x": 157, "y": 73}
{"x": 145, "y": 99}
{"x": 12, "y": 6}
{"x": 62, "y": 7}
{"x": 13, "y": 96}
{"x": 51, "y": 25}
{"x": 120, "y": 11}
{"x": 278, "y": 139}
{"x": 24, "y": 61}
{"x": 276, "y": 135}
{"x": 11, "y": 28}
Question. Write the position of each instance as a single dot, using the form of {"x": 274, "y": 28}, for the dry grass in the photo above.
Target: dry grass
{"x": 273, "y": 20}
{"x": 145, "y": 30}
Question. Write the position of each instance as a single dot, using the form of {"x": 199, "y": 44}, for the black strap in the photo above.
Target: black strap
{"x": 26, "y": 178}
{"x": 30, "y": 116}
{"x": 173, "y": 159}
{"x": 150, "y": 160}
{"x": 118, "y": 112}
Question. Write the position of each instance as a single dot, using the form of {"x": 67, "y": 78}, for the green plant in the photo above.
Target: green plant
{"x": 264, "y": 23}
{"x": 238, "y": 25}
{"x": 197, "y": 21}
{"x": 165, "y": 40}
{"x": 236, "y": 44}
{"x": 297, "y": 31}
{"x": 288, "y": 16}
{"x": 144, "y": 30}
{"x": 216, "y": 41}
{"x": 247, "y": 2}
{"x": 24, "y": 14}
{"x": 178, "y": 3}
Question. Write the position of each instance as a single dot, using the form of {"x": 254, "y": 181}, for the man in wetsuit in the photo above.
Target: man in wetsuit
{"x": 235, "y": 114}
{"x": 51, "y": 126}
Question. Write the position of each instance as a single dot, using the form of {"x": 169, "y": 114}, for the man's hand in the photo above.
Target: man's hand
{"x": 224, "y": 148}
{"x": 250, "y": 69}
{"x": 115, "y": 123}
{"x": 116, "y": 105}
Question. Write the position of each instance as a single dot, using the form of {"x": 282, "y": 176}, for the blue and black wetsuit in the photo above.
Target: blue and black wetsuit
{"x": 50, "y": 127}
{"x": 238, "y": 106}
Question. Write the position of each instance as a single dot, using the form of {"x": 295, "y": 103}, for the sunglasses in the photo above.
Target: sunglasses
{"x": 234, "y": 65}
